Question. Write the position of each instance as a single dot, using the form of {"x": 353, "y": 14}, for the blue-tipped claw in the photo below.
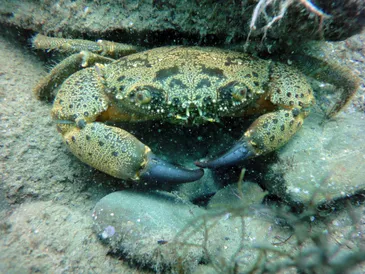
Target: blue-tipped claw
{"x": 237, "y": 154}
{"x": 159, "y": 171}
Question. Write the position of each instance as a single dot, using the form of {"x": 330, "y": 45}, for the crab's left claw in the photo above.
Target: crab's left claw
{"x": 237, "y": 154}
{"x": 159, "y": 171}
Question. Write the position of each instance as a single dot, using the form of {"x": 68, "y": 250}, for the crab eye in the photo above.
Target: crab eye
{"x": 142, "y": 96}
{"x": 239, "y": 92}
{"x": 235, "y": 91}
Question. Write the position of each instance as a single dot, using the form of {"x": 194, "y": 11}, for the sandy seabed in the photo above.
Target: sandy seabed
{"x": 45, "y": 199}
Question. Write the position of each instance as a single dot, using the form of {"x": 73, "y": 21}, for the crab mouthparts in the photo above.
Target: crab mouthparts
{"x": 194, "y": 115}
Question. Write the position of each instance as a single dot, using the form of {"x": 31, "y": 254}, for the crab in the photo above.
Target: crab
{"x": 180, "y": 85}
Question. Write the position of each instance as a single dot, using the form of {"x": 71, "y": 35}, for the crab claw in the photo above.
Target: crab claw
{"x": 237, "y": 154}
{"x": 159, "y": 171}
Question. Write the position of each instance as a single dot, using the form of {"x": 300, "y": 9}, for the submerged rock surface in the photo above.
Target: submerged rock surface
{"x": 143, "y": 225}
{"x": 168, "y": 22}
{"x": 324, "y": 162}
{"x": 162, "y": 232}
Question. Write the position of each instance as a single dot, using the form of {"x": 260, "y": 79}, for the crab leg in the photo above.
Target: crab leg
{"x": 267, "y": 133}
{"x": 77, "y": 109}
{"x": 341, "y": 77}
{"x": 293, "y": 96}
{"x": 237, "y": 154}
{"x": 121, "y": 155}
{"x": 157, "y": 170}
{"x": 63, "y": 70}
{"x": 102, "y": 47}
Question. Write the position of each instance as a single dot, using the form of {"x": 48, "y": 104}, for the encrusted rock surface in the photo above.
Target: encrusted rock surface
{"x": 323, "y": 162}
{"x": 165, "y": 233}
{"x": 188, "y": 21}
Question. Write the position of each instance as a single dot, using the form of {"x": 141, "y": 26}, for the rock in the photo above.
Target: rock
{"x": 166, "y": 22}
{"x": 252, "y": 194}
{"x": 143, "y": 225}
{"x": 159, "y": 231}
{"x": 46, "y": 237}
{"x": 323, "y": 162}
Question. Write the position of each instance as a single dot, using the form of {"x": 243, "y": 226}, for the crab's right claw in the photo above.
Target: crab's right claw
{"x": 236, "y": 155}
{"x": 159, "y": 171}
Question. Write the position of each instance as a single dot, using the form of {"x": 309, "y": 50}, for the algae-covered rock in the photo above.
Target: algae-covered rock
{"x": 207, "y": 21}
{"x": 159, "y": 231}
{"x": 324, "y": 162}
{"x": 249, "y": 194}
{"x": 229, "y": 239}
{"x": 143, "y": 225}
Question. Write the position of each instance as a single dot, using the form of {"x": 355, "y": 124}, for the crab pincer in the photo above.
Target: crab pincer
{"x": 236, "y": 155}
{"x": 159, "y": 171}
